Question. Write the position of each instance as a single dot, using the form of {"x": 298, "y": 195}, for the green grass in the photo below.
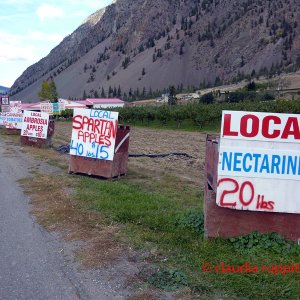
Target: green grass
{"x": 165, "y": 218}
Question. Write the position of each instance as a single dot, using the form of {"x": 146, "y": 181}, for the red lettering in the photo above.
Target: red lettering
{"x": 291, "y": 128}
{"x": 81, "y": 135}
{"x": 77, "y": 122}
{"x": 266, "y": 127}
{"x": 241, "y": 194}
{"x": 254, "y": 126}
{"x": 92, "y": 137}
{"x": 107, "y": 141}
{"x": 97, "y": 125}
{"x": 226, "y": 192}
{"x": 226, "y": 126}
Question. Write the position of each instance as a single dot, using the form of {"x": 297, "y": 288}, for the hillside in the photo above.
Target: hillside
{"x": 137, "y": 47}
{"x": 3, "y": 89}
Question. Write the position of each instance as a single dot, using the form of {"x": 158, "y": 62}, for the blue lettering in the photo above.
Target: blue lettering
{"x": 226, "y": 160}
{"x": 247, "y": 169}
{"x": 256, "y": 156}
{"x": 237, "y": 161}
{"x": 101, "y": 114}
{"x": 265, "y": 164}
{"x": 292, "y": 163}
{"x": 275, "y": 164}
{"x": 283, "y": 164}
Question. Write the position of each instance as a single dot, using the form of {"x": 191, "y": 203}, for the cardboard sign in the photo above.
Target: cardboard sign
{"x": 13, "y": 121}
{"x": 5, "y": 100}
{"x": 35, "y": 124}
{"x": 259, "y": 162}
{"x": 94, "y": 133}
{"x": 15, "y": 107}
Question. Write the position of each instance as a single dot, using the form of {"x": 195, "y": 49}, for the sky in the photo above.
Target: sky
{"x": 30, "y": 29}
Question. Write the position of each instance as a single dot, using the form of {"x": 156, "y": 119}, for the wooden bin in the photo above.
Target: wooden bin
{"x": 226, "y": 222}
{"x": 105, "y": 168}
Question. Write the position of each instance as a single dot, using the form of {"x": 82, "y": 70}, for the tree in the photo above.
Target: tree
{"x": 251, "y": 86}
{"x": 44, "y": 92}
{"x": 84, "y": 95}
{"x": 143, "y": 72}
{"x": 53, "y": 95}
{"x": 207, "y": 98}
{"x": 172, "y": 96}
{"x": 103, "y": 93}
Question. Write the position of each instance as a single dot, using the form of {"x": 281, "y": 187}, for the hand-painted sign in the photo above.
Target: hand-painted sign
{"x": 2, "y": 118}
{"x": 259, "y": 162}
{"x": 5, "y": 100}
{"x": 35, "y": 124}
{"x": 46, "y": 107}
{"x": 15, "y": 107}
{"x": 13, "y": 121}
{"x": 94, "y": 133}
{"x": 51, "y": 108}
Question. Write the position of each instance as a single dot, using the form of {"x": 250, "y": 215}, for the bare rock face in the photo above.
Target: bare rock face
{"x": 146, "y": 45}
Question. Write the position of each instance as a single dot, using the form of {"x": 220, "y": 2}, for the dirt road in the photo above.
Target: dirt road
{"x": 35, "y": 264}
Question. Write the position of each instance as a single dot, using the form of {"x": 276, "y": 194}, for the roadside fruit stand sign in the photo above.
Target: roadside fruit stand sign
{"x": 94, "y": 133}
{"x": 259, "y": 162}
{"x": 52, "y": 108}
{"x": 35, "y": 124}
{"x": 13, "y": 120}
{"x": 2, "y": 118}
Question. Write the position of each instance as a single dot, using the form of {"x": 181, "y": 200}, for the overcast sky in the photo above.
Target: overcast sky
{"x": 30, "y": 29}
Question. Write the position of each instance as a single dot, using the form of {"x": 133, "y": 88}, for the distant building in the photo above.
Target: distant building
{"x": 164, "y": 98}
{"x": 102, "y": 103}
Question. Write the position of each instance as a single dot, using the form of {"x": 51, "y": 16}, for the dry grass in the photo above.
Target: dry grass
{"x": 57, "y": 210}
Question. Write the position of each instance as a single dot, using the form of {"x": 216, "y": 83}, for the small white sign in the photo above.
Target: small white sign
{"x": 94, "y": 133}
{"x": 35, "y": 124}
{"x": 13, "y": 121}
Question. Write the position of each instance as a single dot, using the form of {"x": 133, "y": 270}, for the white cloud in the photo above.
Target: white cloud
{"x": 42, "y": 36}
{"x": 46, "y": 11}
{"x": 9, "y": 52}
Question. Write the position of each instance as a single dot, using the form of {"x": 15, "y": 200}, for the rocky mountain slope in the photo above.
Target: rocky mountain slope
{"x": 137, "y": 47}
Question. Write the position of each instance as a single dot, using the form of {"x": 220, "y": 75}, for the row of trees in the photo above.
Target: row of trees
{"x": 199, "y": 114}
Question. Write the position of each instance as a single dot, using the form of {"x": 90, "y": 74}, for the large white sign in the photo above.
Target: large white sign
{"x": 259, "y": 162}
{"x": 94, "y": 133}
{"x": 35, "y": 124}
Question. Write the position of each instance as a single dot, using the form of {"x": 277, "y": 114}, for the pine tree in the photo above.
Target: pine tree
{"x": 103, "y": 93}
{"x": 172, "y": 96}
{"x": 53, "y": 95}
{"x": 119, "y": 93}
